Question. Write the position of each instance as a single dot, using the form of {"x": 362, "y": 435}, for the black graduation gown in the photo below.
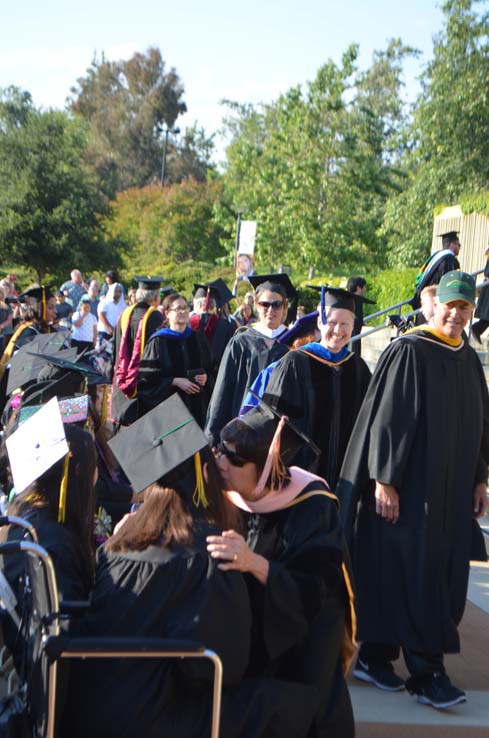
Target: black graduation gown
{"x": 423, "y": 428}
{"x": 447, "y": 264}
{"x": 175, "y": 593}
{"x": 165, "y": 358}
{"x": 224, "y": 330}
{"x": 299, "y": 615}
{"x": 482, "y": 309}
{"x": 124, "y": 411}
{"x": 323, "y": 400}
{"x": 246, "y": 354}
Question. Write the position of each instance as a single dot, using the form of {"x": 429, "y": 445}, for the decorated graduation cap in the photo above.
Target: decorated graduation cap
{"x": 36, "y": 446}
{"x": 72, "y": 409}
{"x": 146, "y": 282}
{"x": 449, "y": 236}
{"x": 157, "y": 444}
{"x": 279, "y": 283}
{"x": 335, "y": 297}
{"x": 217, "y": 289}
{"x": 39, "y": 294}
{"x": 303, "y": 327}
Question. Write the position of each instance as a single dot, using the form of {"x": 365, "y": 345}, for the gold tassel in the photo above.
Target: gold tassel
{"x": 105, "y": 406}
{"x": 199, "y": 497}
{"x": 43, "y": 300}
{"x": 63, "y": 489}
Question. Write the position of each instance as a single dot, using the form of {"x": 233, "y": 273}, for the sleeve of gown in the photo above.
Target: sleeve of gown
{"x": 306, "y": 577}
{"x": 220, "y": 406}
{"x": 394, "y": 403}
{"x": 154, "y": 378}
{"x": 483, "y": 461}
{"x": 285, "y": 389}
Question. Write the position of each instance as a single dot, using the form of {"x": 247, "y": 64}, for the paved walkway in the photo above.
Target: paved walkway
{"x": 398, "y": 715}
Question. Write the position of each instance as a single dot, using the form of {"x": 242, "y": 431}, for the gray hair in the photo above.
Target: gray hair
{"x": 143, "y": 295}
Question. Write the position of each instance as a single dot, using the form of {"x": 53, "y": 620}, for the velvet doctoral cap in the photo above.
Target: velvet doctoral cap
{"x": 279, "y": 283}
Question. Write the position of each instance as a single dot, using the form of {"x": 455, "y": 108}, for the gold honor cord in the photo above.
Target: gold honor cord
{"x": 43, "y": 301}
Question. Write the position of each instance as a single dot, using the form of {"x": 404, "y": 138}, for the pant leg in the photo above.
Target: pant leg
{"x": 379, "y": 652}
{"x": 422, "y": 664}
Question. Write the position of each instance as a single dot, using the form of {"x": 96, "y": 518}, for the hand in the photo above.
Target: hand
{"x": 481, "y": 500}
{"x": 231, "y": 547}
{"x": 387, "y": 502}
{"x": 200, "y": 379}
{"x": 186, "y": 385}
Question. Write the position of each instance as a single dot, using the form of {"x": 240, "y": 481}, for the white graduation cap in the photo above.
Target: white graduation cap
{"x": 38, "y": 444}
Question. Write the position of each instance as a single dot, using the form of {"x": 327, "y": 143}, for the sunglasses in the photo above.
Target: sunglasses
{"x": 276, "y": 304}
{"x": 234, "y": 458}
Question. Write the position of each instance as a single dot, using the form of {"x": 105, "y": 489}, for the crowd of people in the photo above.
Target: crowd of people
{"x": 257, "y": 488}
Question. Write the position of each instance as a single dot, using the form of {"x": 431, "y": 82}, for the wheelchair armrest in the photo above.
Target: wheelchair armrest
{"x": 65, "y": 647}
{"x": 73, "y": 607}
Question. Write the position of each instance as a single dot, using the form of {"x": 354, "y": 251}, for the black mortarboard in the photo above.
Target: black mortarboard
{"x": 87, "y": 370}
{"x": 27, "y": 362}
{"x": 146, "y": 282}
{"x": 450, "y": 236}
{"x": 157, "y": 443}
{"x": 335, "y": 297}
{"x": 167, "y": 290}
{"x": 36, "y": 293}
{"x": 218, "y": 290}
{"x": 265, "y": 419}
{"x": 275, "y": 283}
{"x": 302, "y": 327}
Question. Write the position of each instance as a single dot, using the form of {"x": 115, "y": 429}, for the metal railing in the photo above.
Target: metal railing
{"x": 397, "y": 307}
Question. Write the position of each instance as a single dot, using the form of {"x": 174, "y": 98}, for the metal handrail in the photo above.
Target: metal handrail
{"x": 398, "y": 305}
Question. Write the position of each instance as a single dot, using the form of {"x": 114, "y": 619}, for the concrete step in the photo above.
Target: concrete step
{"x": 381, "y": 714}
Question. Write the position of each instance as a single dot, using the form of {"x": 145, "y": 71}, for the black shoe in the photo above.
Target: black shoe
{"x": 380, "y": 673}
{"x": 436, "y": 690}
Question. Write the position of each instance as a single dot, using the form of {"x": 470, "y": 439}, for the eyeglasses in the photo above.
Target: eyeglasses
{"x": 276, "y": 304}
{"x": 179, "y": 309}
{"x": 234, "y": 458}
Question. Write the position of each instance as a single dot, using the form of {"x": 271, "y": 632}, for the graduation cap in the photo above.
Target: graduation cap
{"x": 217, "y": 289}
{"x": 167, "y": 290}
{"x": 335, "y": 297}
{"x": 26, "y": 363}
{"x": 275, "y": 283}
{"x": 302, "y": 327}
{"x": 72, "y": 409}
{"x": 282, "y": 436}
{"x": 449, "y": 237}
{"x": 158, "y": 443}
{"x": 87, "y": 370}
{"x": 37, "y": 445}
{"x": 146, "y": 282}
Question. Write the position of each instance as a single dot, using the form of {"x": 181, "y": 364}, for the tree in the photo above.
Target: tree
{"x": 448, "y": 155}
{"x": 316, "y": 167}
{"x": 49, "y": 207}
{"x": 175, "y": 224}
{"x": 128, "y": 105}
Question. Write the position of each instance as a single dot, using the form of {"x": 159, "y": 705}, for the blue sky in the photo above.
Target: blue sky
{"x": 249, "y": 51}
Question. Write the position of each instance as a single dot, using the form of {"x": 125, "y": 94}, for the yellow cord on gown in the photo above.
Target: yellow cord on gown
{"x": 63, "y": 489}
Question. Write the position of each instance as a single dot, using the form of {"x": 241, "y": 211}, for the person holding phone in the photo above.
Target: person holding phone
{"x": 176, "y": 359}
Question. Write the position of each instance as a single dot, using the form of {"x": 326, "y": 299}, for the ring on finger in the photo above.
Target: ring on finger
{"x": 235, "y": 557}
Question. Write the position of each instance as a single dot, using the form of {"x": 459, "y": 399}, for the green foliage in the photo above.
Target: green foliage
{"x": 174, "y": 224}
{"x": 449, "y": 155}
{"x": 388, "y": 288}
{"x": 315, "y": 167}
{"x": 129, "y": 105}
{"x": 49, "y": 205}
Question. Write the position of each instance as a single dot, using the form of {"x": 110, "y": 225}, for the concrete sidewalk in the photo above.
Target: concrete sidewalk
{"x": 381, "y": 714}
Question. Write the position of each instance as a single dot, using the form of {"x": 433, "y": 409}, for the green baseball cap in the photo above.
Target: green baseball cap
{"x": 456, "y": 285}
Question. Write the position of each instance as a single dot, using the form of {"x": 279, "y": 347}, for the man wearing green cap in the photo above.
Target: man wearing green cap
{"x": 417, "y": 465}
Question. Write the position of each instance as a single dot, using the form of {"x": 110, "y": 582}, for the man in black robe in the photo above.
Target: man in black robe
{"x": 142, "y": 317}
{"x": 321, "y": 386}
{"x": 417, "y": 463}
{"x": 436, "y": 266}
{"x": 250, "y": 351}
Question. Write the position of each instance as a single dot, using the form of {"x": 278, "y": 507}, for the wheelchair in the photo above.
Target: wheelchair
{"x": 47, "y": 647}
